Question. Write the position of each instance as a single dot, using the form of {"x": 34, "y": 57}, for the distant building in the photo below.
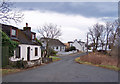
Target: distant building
{"x": 70, "y": 43}
{"x": 55, "y": 44}
{"x": 67, "y": 45}
{"x": 79, "y": 45}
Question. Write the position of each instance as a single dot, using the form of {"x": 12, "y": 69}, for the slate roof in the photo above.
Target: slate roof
{"x": 53, "y": 42}
{"x": 22, "y": 37}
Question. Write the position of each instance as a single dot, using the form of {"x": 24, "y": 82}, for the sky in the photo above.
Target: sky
{"x": 73, "y": 18}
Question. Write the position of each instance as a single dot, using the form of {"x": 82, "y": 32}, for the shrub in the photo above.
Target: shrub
{"x": 20, "y": 64}
{"x": 6, "y": 41}
{"x": 98, "y": 58}
{"x": 52, "y": 52}
{"x": 8, "y": 47}
{"x": 102, "y": 51}
{"x": 70, "y": 49}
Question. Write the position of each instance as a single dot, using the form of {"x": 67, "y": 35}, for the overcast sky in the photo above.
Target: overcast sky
{"x": 73, "y": 17}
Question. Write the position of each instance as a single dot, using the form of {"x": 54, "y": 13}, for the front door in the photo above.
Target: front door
{"x": 18, "y": 52}
{"x": 28, "y": 53}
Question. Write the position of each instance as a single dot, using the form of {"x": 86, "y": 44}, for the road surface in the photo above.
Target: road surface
{"x": 65, "y": 70}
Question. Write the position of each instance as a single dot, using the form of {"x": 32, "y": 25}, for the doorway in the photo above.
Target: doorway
{"x": 28, "y": 53}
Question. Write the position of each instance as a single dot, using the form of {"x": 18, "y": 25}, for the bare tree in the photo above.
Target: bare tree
{"x": 95, "y": 33}
{"x": 92, "y": 38}
{"x": 114, "y": 32}
{"x": 102, "y": 39}
{"x": 104, "y": 35}
{"x": 114, "y": 38}
{"x": 49, "y": 31}
{"x": 108, "y": 29}
{"x": 98, "y": 29}
{"x": 7, "y": 14}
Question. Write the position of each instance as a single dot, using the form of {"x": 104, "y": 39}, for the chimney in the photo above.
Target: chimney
{"x": 26, "y": 24}
{"x": 27, "y": 28}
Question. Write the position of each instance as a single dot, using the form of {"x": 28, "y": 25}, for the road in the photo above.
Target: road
{"x": 65, "y": 70}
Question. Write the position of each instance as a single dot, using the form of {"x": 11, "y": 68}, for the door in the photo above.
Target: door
{"x": 18, "y": 52}
{"x": 28, "y": 53}
{"x": 60, "y": 48}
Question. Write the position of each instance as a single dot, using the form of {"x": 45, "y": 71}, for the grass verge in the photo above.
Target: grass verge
{"x": 9, "y": 71}
{"x": 55, "y": 58}
{"x": 103, "y": 66}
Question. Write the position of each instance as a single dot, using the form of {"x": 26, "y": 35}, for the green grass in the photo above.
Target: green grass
{"x": 55, "y": 58}
{"x": 8, "y": 71}
{"x": 104, "y": 66}
{"x": 110, "y": 67}
{"x": 55, "y": 55}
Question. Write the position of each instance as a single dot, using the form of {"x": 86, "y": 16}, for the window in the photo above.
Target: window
{"x": 36, "y": 51}
{"x": 33, "y": 36}
{"x": 57, "y": 47}
{"x": 13, "y": 32}
{"x": 42, "y": 41}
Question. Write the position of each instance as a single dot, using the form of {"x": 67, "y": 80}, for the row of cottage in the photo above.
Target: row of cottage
{"x": 29, "y": 49}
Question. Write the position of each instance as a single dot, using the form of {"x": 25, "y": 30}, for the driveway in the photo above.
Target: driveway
{"x": 65, "y": 70}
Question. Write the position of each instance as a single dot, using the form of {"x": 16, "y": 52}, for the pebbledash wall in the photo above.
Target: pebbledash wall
{"x": 23, "y": 52}
{"x": 60, "y": 48}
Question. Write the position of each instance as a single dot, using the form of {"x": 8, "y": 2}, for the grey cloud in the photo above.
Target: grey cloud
{"x": 87, "y": 9}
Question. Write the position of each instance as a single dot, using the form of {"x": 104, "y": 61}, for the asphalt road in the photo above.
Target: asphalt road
{"x": 65, "y": 70}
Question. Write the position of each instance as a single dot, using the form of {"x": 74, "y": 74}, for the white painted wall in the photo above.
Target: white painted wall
{"x": 79, "y": 47}
{"x": 23, "y": 53}
{"x": 32, "y": 51}
{"x": 71, "y": 44}
{"x": 60, "y": 48}
{"x": 53, "y": 47}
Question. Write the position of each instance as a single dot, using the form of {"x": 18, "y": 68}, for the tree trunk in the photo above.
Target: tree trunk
{"x": 106, "y": 44}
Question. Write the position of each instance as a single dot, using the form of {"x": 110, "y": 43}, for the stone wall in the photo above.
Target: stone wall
{"x": 25, "y": 64}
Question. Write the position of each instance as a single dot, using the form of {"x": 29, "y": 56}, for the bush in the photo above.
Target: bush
{"x": 98, "y": 58}
{"x": 19, "y": 64}
{"x": 102, "y": 51}
{"x": 70, "y": 49}
{"x": 52, "y": 52}
{"x": 6, "y": 41}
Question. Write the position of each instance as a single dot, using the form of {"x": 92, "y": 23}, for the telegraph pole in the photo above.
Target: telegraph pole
{"x": 87, "y": 43}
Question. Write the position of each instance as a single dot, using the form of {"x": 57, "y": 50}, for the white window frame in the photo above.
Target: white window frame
{"x": 13, "y": 32}
{"x": 33, "y": 36}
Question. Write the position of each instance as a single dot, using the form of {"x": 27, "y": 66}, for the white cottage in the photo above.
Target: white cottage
{"x": 28, "y": 49}
{"x": 55, "y": 44}
{"x": 79, "y": 45}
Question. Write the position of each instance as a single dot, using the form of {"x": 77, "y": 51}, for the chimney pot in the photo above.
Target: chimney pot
{"x": 26, "y": 24}
{"x": 27, "y": 28}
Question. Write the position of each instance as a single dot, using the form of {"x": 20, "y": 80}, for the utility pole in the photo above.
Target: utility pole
{"x": 87, "y": 43}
